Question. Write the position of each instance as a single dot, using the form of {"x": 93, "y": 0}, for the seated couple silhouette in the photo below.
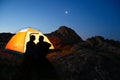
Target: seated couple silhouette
{"x": 38, "y": 50}
{"x": 35, "y": 61}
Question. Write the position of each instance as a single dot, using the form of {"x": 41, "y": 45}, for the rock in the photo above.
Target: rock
{"x": 64, "y": 36}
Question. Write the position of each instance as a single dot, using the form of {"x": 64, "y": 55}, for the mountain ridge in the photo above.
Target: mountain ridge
{"x": 66, "y": 36}
{"x": 63, "y": 36}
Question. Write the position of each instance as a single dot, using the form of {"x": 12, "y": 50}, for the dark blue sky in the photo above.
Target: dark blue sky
{"x": 87, "y": 17}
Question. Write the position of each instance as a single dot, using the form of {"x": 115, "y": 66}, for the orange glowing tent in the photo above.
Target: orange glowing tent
{"x": 19, "y": 40}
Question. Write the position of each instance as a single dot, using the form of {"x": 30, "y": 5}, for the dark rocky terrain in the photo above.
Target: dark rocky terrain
{"x": 64, "y": 36}
{"x": 96, "y": 58}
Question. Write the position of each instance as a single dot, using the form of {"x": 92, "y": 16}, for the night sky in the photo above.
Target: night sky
{"x": 87, "y": 17}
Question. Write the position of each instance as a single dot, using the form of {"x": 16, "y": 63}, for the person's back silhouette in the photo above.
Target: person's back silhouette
{"x": 28, "y": 62}
{"x": 46, "y": 69}
{"x": 42, "y": 47}
{"x": 30, "y": 46}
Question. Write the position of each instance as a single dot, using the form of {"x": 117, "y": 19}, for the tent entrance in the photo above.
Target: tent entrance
{"x": 36, "y": 37}
{"x": 28, "y": 38}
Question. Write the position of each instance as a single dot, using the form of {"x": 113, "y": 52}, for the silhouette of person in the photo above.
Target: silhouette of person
{"x": 46, "y": 70}
{"x": 30, "y": 47}
{"x": 42, "y": 47}
{"x": 28, "y": 62}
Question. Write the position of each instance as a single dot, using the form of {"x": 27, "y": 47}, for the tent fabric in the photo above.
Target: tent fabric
{"x": 19, "y": 40}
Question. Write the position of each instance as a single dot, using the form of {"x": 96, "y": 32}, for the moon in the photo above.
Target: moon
{"x": 66, "y": 12}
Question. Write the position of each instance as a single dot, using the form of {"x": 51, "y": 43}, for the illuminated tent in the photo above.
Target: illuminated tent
{"x": 19, "y": 40}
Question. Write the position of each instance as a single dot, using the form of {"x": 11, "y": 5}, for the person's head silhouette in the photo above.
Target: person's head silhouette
{"x": 32, "y": 38}
{"x": 41, "y": 38}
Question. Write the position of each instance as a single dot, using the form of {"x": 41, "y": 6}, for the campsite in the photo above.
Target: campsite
{"x": 73, "y": 59}
{"x": 14, "y": 52}
{"x": 59, "y": 39}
